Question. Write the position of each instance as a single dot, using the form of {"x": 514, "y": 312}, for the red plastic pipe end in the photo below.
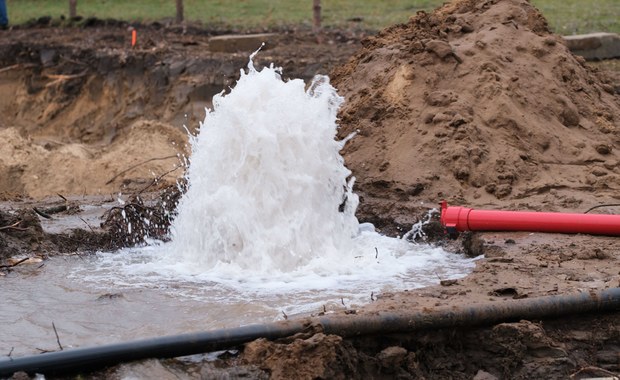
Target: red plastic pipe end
{"x": 454, "y": 218}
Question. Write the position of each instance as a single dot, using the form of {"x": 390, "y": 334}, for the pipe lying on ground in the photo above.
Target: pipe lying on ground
{"x": 458, "y": 219}
{"x": 87, "y": 359}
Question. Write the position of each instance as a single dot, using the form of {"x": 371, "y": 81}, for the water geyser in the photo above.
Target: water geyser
{"x": 268, "y": 188}
{"x": 270, "y": 210}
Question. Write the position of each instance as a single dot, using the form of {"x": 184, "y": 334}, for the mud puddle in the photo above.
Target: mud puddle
{"x": 86, "y": 313}
{"x": 113, "y": 297}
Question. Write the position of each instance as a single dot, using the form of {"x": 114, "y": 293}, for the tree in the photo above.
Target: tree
{"x": 72, "y": 8}
{"x": 179, "y": 18}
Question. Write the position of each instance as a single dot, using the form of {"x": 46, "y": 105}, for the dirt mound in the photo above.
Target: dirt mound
{"x": 478, "y": 103}
{"x": 319, "y": 356}
{"x": 38, "y": 168}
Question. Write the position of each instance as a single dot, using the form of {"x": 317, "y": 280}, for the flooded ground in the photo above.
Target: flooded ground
{"x": 100, "y": 299}
{"x": 86, "y": 313}
{"x": 109, "y": 297}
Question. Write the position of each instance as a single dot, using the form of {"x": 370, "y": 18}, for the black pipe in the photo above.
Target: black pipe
{"x": 87, "y": 359}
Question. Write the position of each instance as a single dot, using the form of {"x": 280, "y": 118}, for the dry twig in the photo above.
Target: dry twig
{"x": 599, "y": 206}
{"x": 58, "y": 78}
{"x": 57, "y": 338}
{"x": 14, "y": 227}
{"x": 593, "y": 371}
{"x": 155, "y": 180}
{"x": 14, "y": 264}
{"x": 85, "y": 222}
{"x": 17, "y": 66}
{"x": 139, "y": 164}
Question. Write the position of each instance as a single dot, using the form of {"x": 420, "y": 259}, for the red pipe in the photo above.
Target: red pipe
{"x": 458, "y": 219}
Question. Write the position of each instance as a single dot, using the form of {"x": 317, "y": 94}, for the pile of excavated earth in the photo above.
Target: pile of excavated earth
{"x": 477, "y": 102}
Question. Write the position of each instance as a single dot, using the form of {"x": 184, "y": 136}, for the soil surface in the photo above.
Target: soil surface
{"x": 477, "y": 103}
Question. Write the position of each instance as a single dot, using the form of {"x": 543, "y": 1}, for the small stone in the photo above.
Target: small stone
{"x": 428, "y": 118}
{"x": 603, "y": 149}
{"x": 448, "y": 282}
{"x": 599, "y": 172}
{"x": 392, "y": 357}
{"x": 20, "y": 376}
{"x": 441, "y": 98}
{"x": 457, "y": 120}
{"x": 441, "y": 48}
{"x": 503, "y": 191}
{"x": 610, "y": 165}
{"x": 466, "y": 28}
{"x": 569, "y": 117}
{"x": 461, "y": 174}
{"x": 483, "y": 375}
{"x": 442, "y": 117}
{"x": 608, "y": 88}
{"x": 177, "y": 68}
{"x": 48, "y": 57}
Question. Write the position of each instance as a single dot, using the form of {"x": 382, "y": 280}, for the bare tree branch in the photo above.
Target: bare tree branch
{"x": 136, "y": 165}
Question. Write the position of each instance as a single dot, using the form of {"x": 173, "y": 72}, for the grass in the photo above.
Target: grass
{"x": 579, "y": 16}
{"x": 565, "y": 16}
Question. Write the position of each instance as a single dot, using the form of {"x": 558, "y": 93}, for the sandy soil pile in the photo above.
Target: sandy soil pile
{"x": 479, "y": 103}
{"x": 38, "y": 168}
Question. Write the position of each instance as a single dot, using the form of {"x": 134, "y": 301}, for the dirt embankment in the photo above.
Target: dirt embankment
{"x": 87, "y": 114}
{"x": 478, "y": 103}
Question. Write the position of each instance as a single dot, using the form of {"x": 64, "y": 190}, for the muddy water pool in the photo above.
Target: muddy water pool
{"x": 90, "y": 313}
{"x": 115, "y": 297}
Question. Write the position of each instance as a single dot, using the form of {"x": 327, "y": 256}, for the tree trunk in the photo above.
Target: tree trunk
{"x": 72, "y": 8}
{"x": 179, "y": 18}
{"x": 316, "y": 16}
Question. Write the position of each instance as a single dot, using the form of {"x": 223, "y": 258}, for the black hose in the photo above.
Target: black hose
{"x": 87, "y": 359}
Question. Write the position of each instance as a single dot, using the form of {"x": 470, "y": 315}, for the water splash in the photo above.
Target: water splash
{"x": 417, "y": 229}
{"x": 269, "y": 211}
{"x": 266, "y": 180}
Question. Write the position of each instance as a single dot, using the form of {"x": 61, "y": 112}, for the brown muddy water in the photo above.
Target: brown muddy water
{"x": 36, "y": 298}
{"x": 114, "y": 297}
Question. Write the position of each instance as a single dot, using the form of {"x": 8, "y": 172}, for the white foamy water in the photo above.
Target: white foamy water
{"x": 269, "y": 215}
{"x": 266, "y": 180}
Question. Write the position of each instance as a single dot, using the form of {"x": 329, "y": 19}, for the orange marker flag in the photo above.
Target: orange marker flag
{"x": 134, "y": 37}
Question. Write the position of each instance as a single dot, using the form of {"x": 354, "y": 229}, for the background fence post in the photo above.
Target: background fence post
{"x": 316, "y": 16}
{"x": 179, "y": 18}
{"x": 72, "y": 8}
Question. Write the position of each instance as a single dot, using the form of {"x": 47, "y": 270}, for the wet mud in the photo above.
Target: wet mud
{"x": 451, "y": 111}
